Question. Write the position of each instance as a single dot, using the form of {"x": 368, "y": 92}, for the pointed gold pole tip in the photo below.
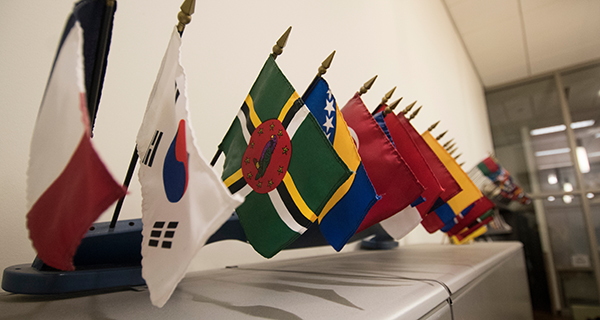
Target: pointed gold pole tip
{"x": 441, "y": 135}
{"x": 326, "y": 64}
{"x": 451, "y": 152}
{"x": 389, "y": 109}
{"x": 450, "y": 146}
{"x": 415, "y": 113}
{"x": 185, "y": 15}
{"x": 458, "y": 156}
{"x": 280, "y": 44}
{"x": 409, "y": 107}
{"x": 462, "y": 164}
{"x": 367, "y": 86}
{"x": 387, "y": 96}
{"x": 448, "y": 143}
{"x": 433, "y": 125}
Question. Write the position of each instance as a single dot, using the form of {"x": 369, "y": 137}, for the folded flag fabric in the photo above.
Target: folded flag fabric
{"x": 407, "y": 145}
{"x": 279, "y": 159}
{"x": 470, "y": 193}
{"x": 479, "y": 208}
{"x": 68, "y": 186}
{"x": 183, "y": 199}
{"x": 390, "y": 175}
{"x": 346, "y": 210}
{"x": 402, "y": 223}
{"x": 502, "y": 179}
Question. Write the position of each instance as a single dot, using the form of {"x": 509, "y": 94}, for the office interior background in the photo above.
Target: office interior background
{"x": 492, "y": 71}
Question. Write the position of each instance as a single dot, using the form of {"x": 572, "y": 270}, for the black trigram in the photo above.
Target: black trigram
{"x": 158, "y": 233}
{"x": 151, "y": 152}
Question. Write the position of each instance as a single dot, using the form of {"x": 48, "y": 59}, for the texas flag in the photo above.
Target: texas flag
{"x": 68, "y": 186}
{"x": 183, "y": 199}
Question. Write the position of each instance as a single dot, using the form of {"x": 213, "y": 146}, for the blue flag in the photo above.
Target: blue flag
{"x": 345, "y": 211}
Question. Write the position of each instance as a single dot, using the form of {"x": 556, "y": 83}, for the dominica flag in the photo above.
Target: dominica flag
{"x": 345, "y": 211}
{"x": 279, "y": 159}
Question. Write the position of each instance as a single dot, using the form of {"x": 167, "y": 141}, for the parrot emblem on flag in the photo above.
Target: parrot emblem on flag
{"x": 264, "y": 168}
{"x": 265, "y": 158}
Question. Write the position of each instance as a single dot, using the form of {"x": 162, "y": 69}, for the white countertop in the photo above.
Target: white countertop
{"x": 355, "y": 285}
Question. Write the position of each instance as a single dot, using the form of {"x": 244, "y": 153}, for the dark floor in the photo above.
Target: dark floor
{"x": 545, "y": 315}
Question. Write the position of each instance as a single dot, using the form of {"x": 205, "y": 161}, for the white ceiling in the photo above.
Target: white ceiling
{"x": 510, "y": 40}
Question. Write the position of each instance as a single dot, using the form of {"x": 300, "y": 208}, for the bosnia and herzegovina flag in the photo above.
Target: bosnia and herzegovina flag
{"x": 68, "y": 186}
{"x": 280, "y": 160}
{"x": 345, "y": 211}
{"x": 183, "y": 199}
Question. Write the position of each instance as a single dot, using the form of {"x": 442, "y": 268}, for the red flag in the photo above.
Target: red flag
{"x": 407, "y": 147}
{"x": 390, "y": 175}
{"x": 68, "y": 186}
{"x": 62, "y": 215}
{"x": 448, "y": 183}
{"x": 480, "y": 207}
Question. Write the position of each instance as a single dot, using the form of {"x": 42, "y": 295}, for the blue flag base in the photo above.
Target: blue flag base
{"x": 111, "y": 259}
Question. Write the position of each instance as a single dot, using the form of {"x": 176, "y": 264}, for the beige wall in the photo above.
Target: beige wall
{"x": 408, "y": 43}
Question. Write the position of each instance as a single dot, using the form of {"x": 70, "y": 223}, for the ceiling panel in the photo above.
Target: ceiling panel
{"x": 511, "y": 40}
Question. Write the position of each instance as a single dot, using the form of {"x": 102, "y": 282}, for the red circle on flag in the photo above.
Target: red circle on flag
{"x": 267, "y": 156}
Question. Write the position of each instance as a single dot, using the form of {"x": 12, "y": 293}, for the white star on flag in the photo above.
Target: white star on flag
{"x": 328, "y": 123}
{"x": 329, "y": 107}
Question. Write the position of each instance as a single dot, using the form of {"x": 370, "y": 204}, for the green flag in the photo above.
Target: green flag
{"x": 279, "y": 159}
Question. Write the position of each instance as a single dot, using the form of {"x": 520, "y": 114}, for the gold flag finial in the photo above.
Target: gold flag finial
{"x": 409, "y": 107}
{"x": 441, "y": 135}
{"x": 280, "y": 44}
{"x": 389, "y": 109}
{"x": 415, "y": 113}
{"x": 448, "y": 143}
{"x": 433, "y": 126}
{"x": 462, "y": 164}
{"x": 450, "y": 147}
{"x": 326, "y": 63}
{"x": 451, "y": 152}
{"x": 387, "y": 96}
{"x": 185, "y": 15}
{"x": 366, "y": 86}
{"x": 456, "y": 158}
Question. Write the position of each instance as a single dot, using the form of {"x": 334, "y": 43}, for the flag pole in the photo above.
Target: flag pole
{"x": 409, "y": 107}
{"x": 277, "y": 50}
{"x": 430, "y": 127}
{"x": 390, "y": 109}
{"x": 367, "y": 86}
{"x": 414, "y": 114}
{"x": 321, "y": 71}
{"x": 184, "y": 17}
{"x": 93, "y": 96}
{"x": 384, "y": 100}
{"x": 441, "y": 135}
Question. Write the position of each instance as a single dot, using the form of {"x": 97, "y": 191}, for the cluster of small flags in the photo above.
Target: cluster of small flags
{"x": 291, "y": 163}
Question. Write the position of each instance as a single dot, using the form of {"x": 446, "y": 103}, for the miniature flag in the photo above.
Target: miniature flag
{"x": 347, "y": 208}
{"x": 403, "y": 222}
{"x": 68, "y": 186}
{"x": 390, "y": 175}
{"x": 280, "y": 160}
{"x": 480, "y": 207}
{"x": 183, "y": 199}
{"x": 470, "y": 193}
